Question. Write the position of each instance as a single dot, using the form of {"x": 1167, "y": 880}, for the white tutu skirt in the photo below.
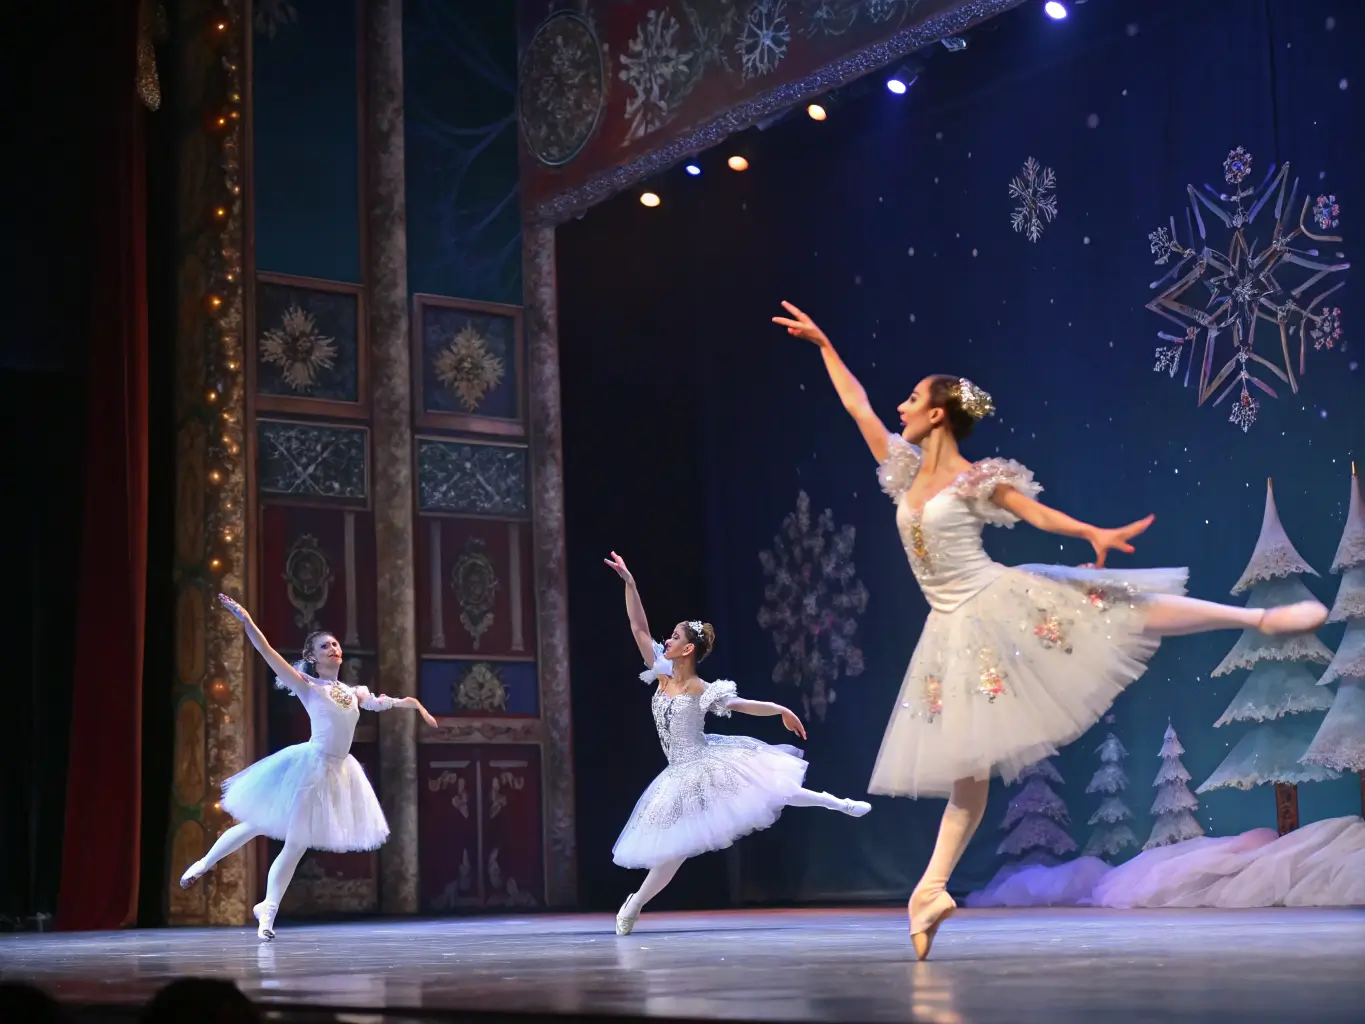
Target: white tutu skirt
{"x": 304, "y": 795}
{"x": 707, "y": 798}
{"x": 1022, "y": 668}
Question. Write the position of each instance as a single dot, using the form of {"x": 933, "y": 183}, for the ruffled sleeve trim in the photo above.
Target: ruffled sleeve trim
{"x": 661, "y": 667}
{"x": 978, "y": 484}
{"x": 717, "y": 696}
{"x": 896, "y": 472}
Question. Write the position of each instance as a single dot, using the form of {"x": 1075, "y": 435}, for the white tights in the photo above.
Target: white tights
{"x": 281, "y": 869}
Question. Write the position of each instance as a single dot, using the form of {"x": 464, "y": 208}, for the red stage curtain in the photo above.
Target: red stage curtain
{"x": 100, "y": 851}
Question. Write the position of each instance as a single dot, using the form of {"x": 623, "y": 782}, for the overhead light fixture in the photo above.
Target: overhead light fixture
{"x": 1054, "y": 10}
{"x": 649, "y": 199}
{"x": 737, "y": 163}
{"x": 692, "y": 169}
{"x": 817, "y": 112}
{"x": 954, "y": 43}
{"x": 903, "y": 77}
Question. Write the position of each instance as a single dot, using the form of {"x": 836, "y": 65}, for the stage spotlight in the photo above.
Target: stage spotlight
{"x": 816, "y": 112}
{"x": 896, "y": 86}
{"x": 737, "y": 163}
{"x": 903, "y": 77}
{"x": 692, "y": 169}
{"x": 649, "y": 199}
{"x": 1054, "y": 10}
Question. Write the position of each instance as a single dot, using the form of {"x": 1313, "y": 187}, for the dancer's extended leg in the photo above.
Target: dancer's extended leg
{"x": 229, "y": 842}
{"x": 809, "y": 798}
{"x": 277, "y": 881}
{"x": 653, "y": 884}
{"x": 1169, "y": 615}
{"x": 930, "y": 903}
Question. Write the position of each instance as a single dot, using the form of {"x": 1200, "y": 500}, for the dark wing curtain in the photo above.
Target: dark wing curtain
{"x": 103, "y": 804}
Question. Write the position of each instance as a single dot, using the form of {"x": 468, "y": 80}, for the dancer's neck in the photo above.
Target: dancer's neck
{"x": 938, "y": 451}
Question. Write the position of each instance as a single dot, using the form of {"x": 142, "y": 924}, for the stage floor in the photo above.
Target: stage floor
{"x": 852, "y": 965}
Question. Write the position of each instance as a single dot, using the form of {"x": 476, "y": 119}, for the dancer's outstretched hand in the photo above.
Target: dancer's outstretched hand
{"x": 801, "y": 326}
{"x": 793, "y": 723}
{"x": 232, "y": 606}
{"x": 618, "y": 565}
{"x": 1105, "y": 541}
{"x": 427, "y": 716}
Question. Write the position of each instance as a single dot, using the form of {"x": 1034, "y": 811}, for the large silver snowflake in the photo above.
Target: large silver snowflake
{"x": 812, "y": 600}
{"x": 1245, "y": 286}
{"x": 654, "y": 67}
{"x": 764, "y": 37}
{"x": 1037, "y": 203}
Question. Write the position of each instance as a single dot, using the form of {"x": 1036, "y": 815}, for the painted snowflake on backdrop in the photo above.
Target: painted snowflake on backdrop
{"x": 1034, "y": 191}
{"x": 1246, "y": 285}
{"x": 653, "y": 66}
{"x": 812, "y": 600}
{"x": 763, "y": 38}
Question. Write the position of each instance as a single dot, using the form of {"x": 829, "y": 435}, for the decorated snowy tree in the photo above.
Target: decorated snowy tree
{"x": 1037, "y": 817}
{"x": 1174, "y": 804}
{"x": 1281, "y": 693}
{"x": 1340, "y": 742}
{"x": 1111, "y": 834}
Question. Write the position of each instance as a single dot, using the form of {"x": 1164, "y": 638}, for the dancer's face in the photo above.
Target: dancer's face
{"x": 918, "y": 416}
{"x": 327, "y": 651}
{"x": 677, "y": 645}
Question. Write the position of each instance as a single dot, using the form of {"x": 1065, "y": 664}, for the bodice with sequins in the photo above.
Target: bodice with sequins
{"x": 333, "y": 711}
{"x": 681, "y": 719}
{"x": 943, "y": 538}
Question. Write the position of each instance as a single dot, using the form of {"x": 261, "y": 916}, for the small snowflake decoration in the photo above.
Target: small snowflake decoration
{"x": 1326, "y": 329}
{"x": 1237, "y": 166}
{"x": 1037, "y": 205}
{"x": 1167, "y": 359}
{"x": 1162, "y": 247}
{"x": 812, "y": 600}
{"x": 763, "y": 40}
{"x": 1325, "y": 212}
{"x": 1244, "y": 410}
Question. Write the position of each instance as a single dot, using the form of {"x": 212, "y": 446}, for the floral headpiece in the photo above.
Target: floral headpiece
{"x": 696, "y": 628}
{"x": 975, "y": 402}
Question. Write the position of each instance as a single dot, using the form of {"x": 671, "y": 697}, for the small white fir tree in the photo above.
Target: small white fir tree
{"x": 1281, "y": 694}
{"x": 1340, "y": 741}
{"x": 1174, "y": 804}
{"x": 1112, "y": 834}
{"x": 1037, "y": 818}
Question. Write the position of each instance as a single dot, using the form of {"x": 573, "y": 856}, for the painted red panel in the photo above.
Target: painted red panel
{"x": 513, "y": 858}
{"x": 448, "y": 832}
{"x": 469, "y": 616}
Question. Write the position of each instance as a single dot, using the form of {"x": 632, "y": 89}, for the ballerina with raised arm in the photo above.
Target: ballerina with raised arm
{"x": 715, "y": 788}
{"x": 1013, "y": 663}
{"x": 311, "y": 795}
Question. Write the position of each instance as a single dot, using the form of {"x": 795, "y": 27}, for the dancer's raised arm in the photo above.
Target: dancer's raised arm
{"x": 851, "y": 392}
{"x": 635, "y": 609}
{"x": 285, "y": 672}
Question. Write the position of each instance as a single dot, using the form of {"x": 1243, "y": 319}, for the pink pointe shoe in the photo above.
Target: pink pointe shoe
{"x": 1300, "y": 617}
{"x": 925, "y": 921}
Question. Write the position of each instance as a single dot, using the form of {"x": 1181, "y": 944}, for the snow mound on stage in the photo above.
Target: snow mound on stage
{"x": 1042, "y": 885}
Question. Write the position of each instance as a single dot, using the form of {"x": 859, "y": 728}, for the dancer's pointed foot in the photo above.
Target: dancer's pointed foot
{"x": 926, "y": 915}
{"x": 627, "y": 916}
{"x": 855, "y": 808}
{"x": 192, "y": 874}
{"x": 265, "y": 912}
{"x": 1300, "y": 617}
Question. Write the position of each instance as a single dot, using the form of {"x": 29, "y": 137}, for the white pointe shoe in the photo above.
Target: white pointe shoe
{"x": 855, "y": 808}
{"x": 626, "y": 916}
{"x": 1300, "y": 617}
{"x": 192, "y": 874}
{"x": 265, "y": 912}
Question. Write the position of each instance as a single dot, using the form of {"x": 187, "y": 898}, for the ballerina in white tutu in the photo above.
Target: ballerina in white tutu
{"x": 1013, "y": 662}
{"x": 715, "y": 788}
{"x": 311, "y": 795}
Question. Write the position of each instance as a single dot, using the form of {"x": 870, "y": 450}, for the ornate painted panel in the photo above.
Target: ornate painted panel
{"x": 317, "y": 571}
{"x": 467, "y": 366}
{"x": 481, "y": 829}
{"x": 310, "y": 351}
{"x": 464, "y": 687}
{"x": 312, "y": 461}
{"x": 472, "y": 478}
{"x": 475, "y": 587}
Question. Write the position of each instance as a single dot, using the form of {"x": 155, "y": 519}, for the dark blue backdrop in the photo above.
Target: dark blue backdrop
{"x": 691, "y": 423}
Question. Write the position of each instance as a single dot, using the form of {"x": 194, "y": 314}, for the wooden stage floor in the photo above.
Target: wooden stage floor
{"x": 1019, "y": 966}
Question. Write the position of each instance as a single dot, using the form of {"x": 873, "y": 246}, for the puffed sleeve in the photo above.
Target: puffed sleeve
{"x": 898, "y": 469}
{"x": 661, "y": 667}
{"x": 978, "y": 484}
{"x": 372, "y": 702}
{"x": 717, "y": 696}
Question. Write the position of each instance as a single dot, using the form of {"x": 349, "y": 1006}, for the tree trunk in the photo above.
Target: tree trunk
{"x": 1286, "y": 807}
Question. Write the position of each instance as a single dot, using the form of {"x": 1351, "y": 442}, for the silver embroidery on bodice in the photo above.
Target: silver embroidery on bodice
{"x": 681, "y": 723}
